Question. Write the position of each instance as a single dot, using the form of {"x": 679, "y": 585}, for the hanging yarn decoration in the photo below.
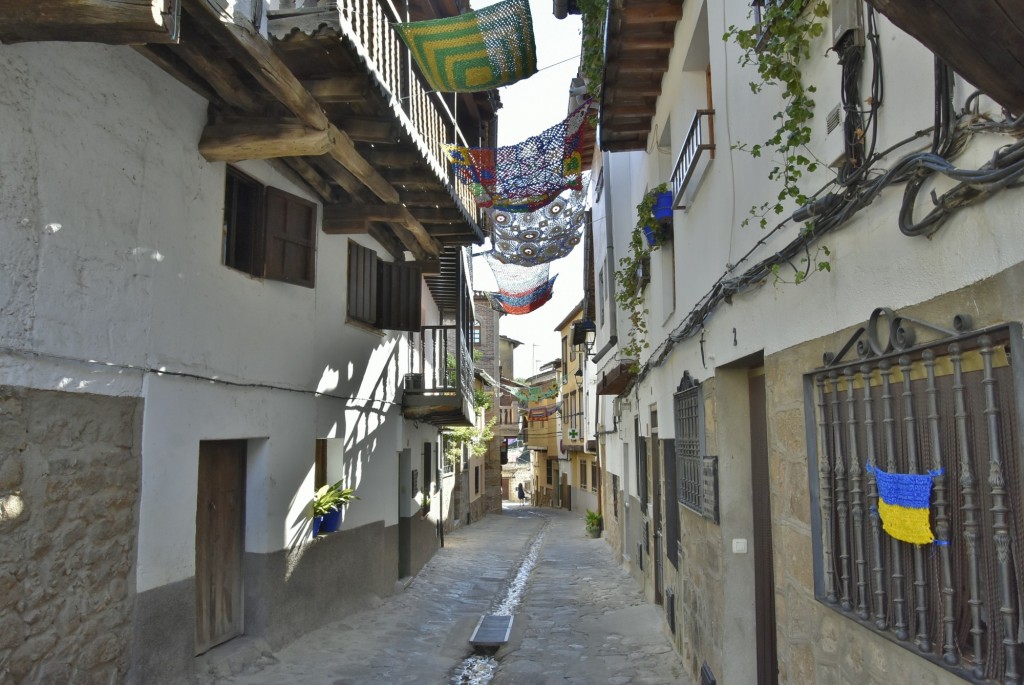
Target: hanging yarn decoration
{"x": 529, "y": 175}
{"x": 521, "y": 289}
{"x": 479, "y": 50}
{"x": 522, "y": 302}
{"x": 903, "y": 504}
{"x": 541, "y": 236}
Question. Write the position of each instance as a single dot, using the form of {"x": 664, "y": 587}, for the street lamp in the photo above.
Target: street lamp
{"x": 585, "y": 335}
{"x": 579, "y": 378}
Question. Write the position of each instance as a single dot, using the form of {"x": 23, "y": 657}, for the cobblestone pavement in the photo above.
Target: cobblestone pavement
{"x": 582, "y": 619}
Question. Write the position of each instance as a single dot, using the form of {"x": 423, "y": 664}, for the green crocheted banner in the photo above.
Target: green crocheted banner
{"x": 478, "y": 50}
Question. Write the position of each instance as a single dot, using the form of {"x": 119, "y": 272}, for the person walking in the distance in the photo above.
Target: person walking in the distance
{"x": 522, "y": 494}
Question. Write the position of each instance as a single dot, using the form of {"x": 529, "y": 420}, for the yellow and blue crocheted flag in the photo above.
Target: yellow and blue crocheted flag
{"x": 479, "y": 50}
{"x": 903, "y": 505}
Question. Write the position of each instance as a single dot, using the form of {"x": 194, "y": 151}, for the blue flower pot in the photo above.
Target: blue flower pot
{"x": 317, "y": 522}
{"x": 331, "y": 522}
{"x": 663, "y": 206}
{"x": 651, "y": 235}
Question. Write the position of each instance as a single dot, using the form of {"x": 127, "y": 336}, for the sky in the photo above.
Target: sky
{"x": 529, "y": 107}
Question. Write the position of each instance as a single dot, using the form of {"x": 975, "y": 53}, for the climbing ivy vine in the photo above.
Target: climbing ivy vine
{"x": 777, "y": 46}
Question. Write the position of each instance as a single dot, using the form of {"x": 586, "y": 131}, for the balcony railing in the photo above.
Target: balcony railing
{"x": 699, "y": 138}
{"x": 367, "y": 23}
{"x": 440, "y": 389}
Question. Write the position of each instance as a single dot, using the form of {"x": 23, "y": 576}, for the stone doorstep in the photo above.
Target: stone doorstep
{"x": 233, "y": 658}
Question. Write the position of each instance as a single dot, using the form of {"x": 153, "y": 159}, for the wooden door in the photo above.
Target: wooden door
{"x": 657, "y": 504}
{"x": 764, "y": 574}
{"x": 220, "y": 541}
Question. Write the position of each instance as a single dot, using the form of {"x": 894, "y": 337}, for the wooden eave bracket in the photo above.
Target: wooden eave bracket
{"x": 114, "y": 22}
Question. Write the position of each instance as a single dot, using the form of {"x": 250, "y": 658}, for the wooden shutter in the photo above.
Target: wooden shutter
{"x": 398, "y": 298}
{"x": 362, "y": 283}
{"x": 290, "y": 228}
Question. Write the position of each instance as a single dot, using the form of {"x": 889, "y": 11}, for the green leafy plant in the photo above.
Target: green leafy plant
{"x": 776, "y": 47}
{"x": 633, "y": 274}
{"x": 594, "y": 519}
{"x": 482, "y": 399}
{"x": 593, "y": 14}
{"x": 475, "y": 437}
{"x": 330, "y": 498}
{"x": 645, "y": 218}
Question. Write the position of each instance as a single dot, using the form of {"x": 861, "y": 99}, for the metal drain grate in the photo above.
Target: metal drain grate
{"x": 491, "y": 631}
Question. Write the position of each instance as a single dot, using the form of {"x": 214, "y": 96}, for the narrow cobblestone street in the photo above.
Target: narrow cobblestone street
{"x": 580, "y": 619}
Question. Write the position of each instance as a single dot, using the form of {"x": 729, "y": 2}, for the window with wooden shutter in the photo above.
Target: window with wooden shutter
{"x": 362, "y": 283}
{"x": 268, "y": 233}
{"x": 290, "y": 226}
{"x": 385, "y": 295}
{"x": 398, "y": 297}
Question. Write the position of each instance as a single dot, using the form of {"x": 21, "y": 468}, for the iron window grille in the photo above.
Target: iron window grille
{"x": 950, "y": 408}
{"x": 696, "y": 473}
{"x": 615, "y": 496}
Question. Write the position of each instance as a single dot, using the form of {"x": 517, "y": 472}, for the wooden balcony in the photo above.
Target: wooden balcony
{"x": 690, "y": 165}
{"x": 638, "y": 38}
{"x": 331, "y": 94}
{"x": 439, "y": 391}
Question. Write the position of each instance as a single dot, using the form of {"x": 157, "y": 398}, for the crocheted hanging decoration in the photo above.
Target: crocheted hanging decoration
{"x": 479, "y": 50}
{"x": 523, "y": 302}
{"x": 529, "y": 175}
{"x": 903, "y": 505}
{"x": 532, "y": 238}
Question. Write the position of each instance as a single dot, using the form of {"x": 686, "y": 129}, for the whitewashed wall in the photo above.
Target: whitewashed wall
{"x": 111, "y": 226}
{"x": 873, "y": 264}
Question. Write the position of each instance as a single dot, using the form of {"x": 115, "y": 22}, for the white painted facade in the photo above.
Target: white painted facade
{"x": 112, "y": 282}
{"x": 872, "y": 265}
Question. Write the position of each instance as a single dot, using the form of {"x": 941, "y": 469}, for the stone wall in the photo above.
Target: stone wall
{"x": 815, "y": 643}
{"x": 69, "y": 493}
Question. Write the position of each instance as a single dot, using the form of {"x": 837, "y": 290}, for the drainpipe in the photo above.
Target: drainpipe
{"x": 613, "y": 336}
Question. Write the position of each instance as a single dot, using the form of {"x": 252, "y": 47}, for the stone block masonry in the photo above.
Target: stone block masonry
{"x": 69, "y": 493}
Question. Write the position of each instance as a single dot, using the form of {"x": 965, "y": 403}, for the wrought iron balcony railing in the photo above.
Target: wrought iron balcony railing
{"x": 440, "y": 389}
{"x": 699, "y": 138}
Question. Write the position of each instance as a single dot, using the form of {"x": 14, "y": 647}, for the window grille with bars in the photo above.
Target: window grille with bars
{"x": 615, "y": 496}
{"x": 696, "y": 473}
{"x": 950, "y": 408}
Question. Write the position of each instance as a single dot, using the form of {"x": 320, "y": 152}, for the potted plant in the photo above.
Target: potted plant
{"x": 327, "y": 503}
{"x": 425, "y": 506}
{"x": 654, "y": 215}
{"x": 594, "y": 523}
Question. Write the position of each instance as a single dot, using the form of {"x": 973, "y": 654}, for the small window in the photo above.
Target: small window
{"x": 384, "y": 295}
{"x": 583, "y": 474}
{"x": 476, "y": 480}
{"x": 548, "y": 471}
{"x": 593, "y": 476}
{"x": 615, "y": 496}
{"x": 476, "y": 333}
{"x": 268, "y": 233}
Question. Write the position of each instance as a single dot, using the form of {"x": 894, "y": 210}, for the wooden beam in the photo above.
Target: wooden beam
{"x": 115, "y": 22}
{"x": 344, "y": 150}
{"x": 424, "y": 238}
{"x": 426, "y": 198}
{"x": 348, "y": 218}
{"x": 393, "y": 158}
{"x": 245, "y": 44}
{"x": 368, "y": 130}
{"x": 347, "y": 213}
{"x": 982, "y": 40}
{"x": 333, "y": 169}
{"x": 161, "y": 56}
{"x": 195, "y": 52}
{"x": 651, "y": 13}
{"x": 261, "y": 139}
{"x": 311, "y": 176}
{"x": 338, "y": 89}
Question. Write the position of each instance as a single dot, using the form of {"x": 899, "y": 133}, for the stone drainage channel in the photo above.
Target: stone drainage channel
{"x": 478, "y": 669}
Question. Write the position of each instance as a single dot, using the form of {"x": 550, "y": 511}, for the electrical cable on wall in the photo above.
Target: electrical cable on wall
{"x": 187, "y": 375}
{"x": 859, "y": 182}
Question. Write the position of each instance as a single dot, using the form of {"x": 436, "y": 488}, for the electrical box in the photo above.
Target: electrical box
{"x": 847, "y": 16}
